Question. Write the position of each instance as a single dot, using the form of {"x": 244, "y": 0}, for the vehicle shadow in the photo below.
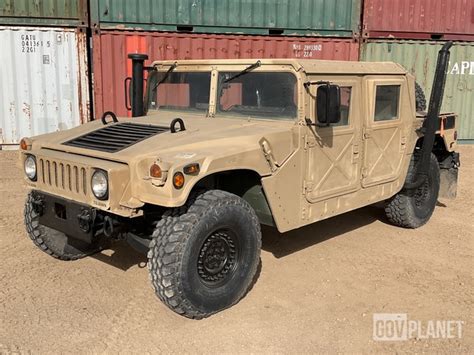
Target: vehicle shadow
{"x": 122, "y": 256}
{"x": 284, "y": 244}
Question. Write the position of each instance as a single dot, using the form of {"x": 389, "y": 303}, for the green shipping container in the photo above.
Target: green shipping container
{"x": 64, "y": 13}
{"x": 288, "y": 17}
{"x": 420, "y": 57}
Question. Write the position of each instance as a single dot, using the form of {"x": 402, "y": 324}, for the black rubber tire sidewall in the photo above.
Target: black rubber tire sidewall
{"x": 425, "y": 211}
{"x": 401, "y": 209}
{"x": 208, "y": 298}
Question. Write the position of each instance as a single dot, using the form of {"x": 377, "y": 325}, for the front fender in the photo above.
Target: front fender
{"x": 168, "y": 196}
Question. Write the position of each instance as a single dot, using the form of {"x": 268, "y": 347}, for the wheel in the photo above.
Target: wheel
{"x": 413, "y": 208}
{"x": 204, "y": 256}
{"x": 53, "y": 242}
{"x": 420, "y": 98}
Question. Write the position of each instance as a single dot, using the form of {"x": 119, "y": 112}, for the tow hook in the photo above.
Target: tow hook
{"x": 108, "y": 226}
{"x": 86, "y": 220}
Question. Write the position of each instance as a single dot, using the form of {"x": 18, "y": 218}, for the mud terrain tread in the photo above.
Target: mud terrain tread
{"x": 420, "y": 98}
{"x": 167, "y": 247}
{"x": 36, "y": 233}
{"x": 399, "y": 210}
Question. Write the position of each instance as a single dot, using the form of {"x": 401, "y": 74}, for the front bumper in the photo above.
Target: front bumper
{"x": 76, "y": 220}
{"x": 83, "y": 222}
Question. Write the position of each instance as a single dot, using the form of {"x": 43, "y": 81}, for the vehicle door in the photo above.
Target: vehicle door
{"x": 384, "y": 137}
{"x": 334, "y": 151}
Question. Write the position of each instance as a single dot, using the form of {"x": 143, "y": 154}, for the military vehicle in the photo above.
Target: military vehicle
{"x": 215, "y": 148}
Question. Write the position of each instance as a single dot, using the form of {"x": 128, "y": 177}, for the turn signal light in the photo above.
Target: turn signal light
{"x": 191, "y": 169}
{"x": 25, "y": 144}
{"x": 178, "y": 180}
{"x": 155, "y": 171}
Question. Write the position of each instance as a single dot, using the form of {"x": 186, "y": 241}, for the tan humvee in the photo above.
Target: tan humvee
{"x": 277, "y": 142}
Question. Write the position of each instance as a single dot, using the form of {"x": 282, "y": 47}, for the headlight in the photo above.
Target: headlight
{"x": 100, "y": 184}
{"x": 30, "y": 167}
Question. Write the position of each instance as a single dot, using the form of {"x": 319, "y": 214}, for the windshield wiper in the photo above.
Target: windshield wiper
{"x": 167, "y": 74}
{"x": 245, "y": 71}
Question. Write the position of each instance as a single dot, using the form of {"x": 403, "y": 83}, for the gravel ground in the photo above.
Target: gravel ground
{"x": 317, "y": 291}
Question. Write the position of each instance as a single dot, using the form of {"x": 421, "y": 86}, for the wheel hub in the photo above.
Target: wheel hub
{"x": 217, "y": 257}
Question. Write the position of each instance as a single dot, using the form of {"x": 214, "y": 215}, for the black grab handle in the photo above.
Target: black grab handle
{"x": 111, "y": 114}
{"x": 127, "y": 89}
{"x": 173, "y": 125}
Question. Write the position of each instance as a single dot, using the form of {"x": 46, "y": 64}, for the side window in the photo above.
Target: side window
{"x": 346, "y": 94}
{"x": 386, "y": 102}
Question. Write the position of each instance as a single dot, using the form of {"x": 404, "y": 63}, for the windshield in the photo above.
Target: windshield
{"x": 181, "y": 91}
{"x": 260, "y": 95}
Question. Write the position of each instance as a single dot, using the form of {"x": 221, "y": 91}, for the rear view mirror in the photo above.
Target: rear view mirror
{"x": 328, "y": 104}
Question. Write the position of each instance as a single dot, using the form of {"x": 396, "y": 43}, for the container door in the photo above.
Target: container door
{"x": 383, "y": 133}
{"x": 43, "y": 81}
{"x": 334, "y": 151}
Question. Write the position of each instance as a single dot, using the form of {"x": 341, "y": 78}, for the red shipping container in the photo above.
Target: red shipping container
{"x": 419, "y": 19}
{"x": 111, "y": 65}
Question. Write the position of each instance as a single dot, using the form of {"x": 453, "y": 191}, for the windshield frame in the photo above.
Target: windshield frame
{"x": 261, "y": 69}
{"x": 178, "y": 69}
{"x": 215, "y": 69}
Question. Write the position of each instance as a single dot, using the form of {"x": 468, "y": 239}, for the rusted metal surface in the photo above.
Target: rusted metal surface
{"x": 111, "y": 65}
{"x": 284, "y": 17}
{"x": 72, "y": 13}
{"x": 419, "y": 57}
{"x": 419, "y": 19}
{"x": 44, "y": 83}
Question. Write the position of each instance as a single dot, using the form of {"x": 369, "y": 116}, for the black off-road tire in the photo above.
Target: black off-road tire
{"x": 53, "y": 242}
{"x": 413, "y": 208}
{"x": 214, "y": 231}
{"x": 420, "y": 98}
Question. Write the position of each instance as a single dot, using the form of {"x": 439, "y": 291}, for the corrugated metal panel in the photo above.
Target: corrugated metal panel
{"x": 43, "y": 81}
{"x": 420, "y": 59}
{"x": 44, "y": 12}
{"x": 111, "y": 65}
{"x": 419, "y": 19}
{"x": 309, "y": 17}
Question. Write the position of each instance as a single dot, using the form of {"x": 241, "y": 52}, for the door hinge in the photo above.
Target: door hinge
{"x": 309, "y": 142}
{"x": 403, "y": 143}
{"x": 367, "y": 133}
{"x": 308, "y": 186}
{"x": 355, "y": 153}
{"x": 364, "y": 172}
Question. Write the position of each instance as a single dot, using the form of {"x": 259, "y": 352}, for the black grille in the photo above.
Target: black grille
{"x": 114, "y": 138}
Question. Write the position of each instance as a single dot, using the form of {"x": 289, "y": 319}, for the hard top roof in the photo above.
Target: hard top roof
{"x": 310, "y": 66}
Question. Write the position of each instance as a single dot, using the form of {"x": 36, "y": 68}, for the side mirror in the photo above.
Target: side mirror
{"x": 328, "y": 104}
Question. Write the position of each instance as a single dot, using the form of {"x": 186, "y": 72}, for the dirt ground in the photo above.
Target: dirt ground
{"x": 317, "y": 291}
